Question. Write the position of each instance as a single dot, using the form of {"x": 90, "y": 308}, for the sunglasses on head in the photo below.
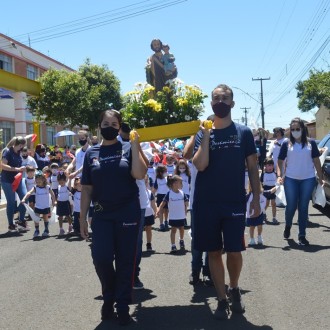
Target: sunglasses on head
{"x": 295, "y": 129}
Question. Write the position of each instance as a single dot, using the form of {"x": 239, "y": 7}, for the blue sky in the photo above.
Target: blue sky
{"x": 213, "y": 41}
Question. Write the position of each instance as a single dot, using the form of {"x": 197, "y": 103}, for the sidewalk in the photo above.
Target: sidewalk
{"x": 3, "y": 201}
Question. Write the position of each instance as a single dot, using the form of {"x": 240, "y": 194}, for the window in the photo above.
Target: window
{"x": 50, "y": 136}
{"x": 69, "y": 140}
{"x": 31, "y": 72}
{"x": 6, "y": 63}
{"x": 8, "y": 131}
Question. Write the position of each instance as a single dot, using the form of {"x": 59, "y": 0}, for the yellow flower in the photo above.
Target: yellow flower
{"x": 181, "y": 101}
{"x": 166, "y": 89}
{"x": 149, "y": 89}
{"x": 154, "y": 105}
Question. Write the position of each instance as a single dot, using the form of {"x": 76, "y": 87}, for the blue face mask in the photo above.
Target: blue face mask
{"x": 221, "y": 109}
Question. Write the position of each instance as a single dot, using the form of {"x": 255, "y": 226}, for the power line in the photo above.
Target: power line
{"x": 123, "y": 15}
{"x": 262, "y": 100}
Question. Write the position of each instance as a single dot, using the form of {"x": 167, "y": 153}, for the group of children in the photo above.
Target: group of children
{"x": 51, "y": 187}
{"x": 171, "y": 185}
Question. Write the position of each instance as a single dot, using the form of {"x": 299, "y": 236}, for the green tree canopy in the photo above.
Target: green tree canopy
{"x": 314, "y": 91}
{"x": 76, "y": 98}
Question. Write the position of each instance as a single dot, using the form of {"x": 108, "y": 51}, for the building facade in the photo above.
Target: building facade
{"x": 15, "y": 118}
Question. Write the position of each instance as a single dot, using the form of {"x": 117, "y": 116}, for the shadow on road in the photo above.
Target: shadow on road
{"x": 293, "y": 245}
{"x": 10, "y": 234}
{"x": 182, "y": 318}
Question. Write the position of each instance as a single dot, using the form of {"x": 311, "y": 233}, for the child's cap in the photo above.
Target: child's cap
{"x": 54, "y": 165}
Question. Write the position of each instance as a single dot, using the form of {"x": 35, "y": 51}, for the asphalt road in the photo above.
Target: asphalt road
{"x": 51, "y": 284}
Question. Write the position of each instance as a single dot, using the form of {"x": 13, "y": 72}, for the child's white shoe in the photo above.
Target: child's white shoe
{"x": 260, "y": 240}
{"x": 252, "y": 242}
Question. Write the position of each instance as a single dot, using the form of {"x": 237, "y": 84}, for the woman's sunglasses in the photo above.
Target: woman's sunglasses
{"x": 295, "y": 129}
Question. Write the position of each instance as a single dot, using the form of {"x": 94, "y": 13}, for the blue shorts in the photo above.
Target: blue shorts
{"x": 255, "y": 221}
{"x": 159, "y": 199}
{"x": 177, "y": 223}
{"x": 63, "y": 208}
{"x": 32, "y": 199}
{"x": 91, "y": 212}
{"x": 218, "y": 226}
{"x": 149, "y": 220}
{"x": 42, "y": 211}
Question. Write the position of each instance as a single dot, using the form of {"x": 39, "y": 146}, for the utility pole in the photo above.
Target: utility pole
{"x": 245, "y": 113}
{"x": 262, "y": 100}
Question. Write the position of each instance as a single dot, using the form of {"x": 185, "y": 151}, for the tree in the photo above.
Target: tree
{"x": 104, "y": 90}
{"x": 315, "y": 91}
{"x": 76, "y": 98}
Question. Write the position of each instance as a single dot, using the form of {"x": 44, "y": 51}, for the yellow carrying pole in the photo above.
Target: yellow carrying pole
{"x": 36, "y": 130}
{"x": 170, "y": 131}
{"x": 18, "y": 83}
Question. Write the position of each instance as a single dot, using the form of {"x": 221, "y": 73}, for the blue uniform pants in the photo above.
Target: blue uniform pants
{"x": 114, "y": 252}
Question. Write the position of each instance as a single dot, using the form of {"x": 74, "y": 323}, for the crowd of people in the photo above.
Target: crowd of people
{"x": 116, "y": 190}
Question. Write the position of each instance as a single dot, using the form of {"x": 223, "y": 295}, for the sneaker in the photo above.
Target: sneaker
{"x": 275, "y": 221}
{"x": 173, "y": 249}
{"x": 303, "y": 241}
{"x": 23, "y": 226}
{"x": 107, "y": 311}
{"x": 182, "y": 247}
{"x": 149, "y": 247}
{"x": 161, "y": 227}
{"x": 12, "y": 227}
{"x": 138, "y": 285}
{"x": 70, "y": 229}
{"x": 252, "y": 242}
{"x": 124, "y": 318}
{"x": 36, "y": 233}
{"x": 194, "y": 278}
{"x": 287, "y": 232}
{"x": 222, "y": 311}
{"x": 166, "y": 225}
{"x": 45, "y": 233}
{"x": 235, "y": 297}
{"x": 62, "y": 232}
{"x": 208, "y": 281}
{"x": 260, "y": 240}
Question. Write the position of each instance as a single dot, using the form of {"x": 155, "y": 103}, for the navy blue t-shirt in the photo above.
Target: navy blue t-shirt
{"x": 109, "y": 172}
{"x": 223, "y": 181}
{"x": 14, "y": 160}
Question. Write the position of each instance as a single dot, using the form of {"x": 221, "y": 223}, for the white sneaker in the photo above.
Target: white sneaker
{"x": 252, "y": 242}
{"x": 260, "y": 240}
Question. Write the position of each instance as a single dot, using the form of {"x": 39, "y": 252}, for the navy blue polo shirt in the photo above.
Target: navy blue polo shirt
{"x": 14, "y": 159}
{"x": 223, "y": 181}
{"x": 108, "y": 170}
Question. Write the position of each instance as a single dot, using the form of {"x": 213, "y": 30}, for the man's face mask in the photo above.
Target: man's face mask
{"x": 221, "y": 109}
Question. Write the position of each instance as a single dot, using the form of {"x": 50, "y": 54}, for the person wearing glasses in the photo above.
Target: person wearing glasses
{"x": 298, "y": 178}
{"x": 275, "y": 146}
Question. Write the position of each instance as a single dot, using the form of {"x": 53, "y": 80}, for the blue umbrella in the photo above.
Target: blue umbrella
{"x": 64, "y": 133}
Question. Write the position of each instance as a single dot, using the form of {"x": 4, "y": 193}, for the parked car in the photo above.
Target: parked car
{"x": 325, "y": 142}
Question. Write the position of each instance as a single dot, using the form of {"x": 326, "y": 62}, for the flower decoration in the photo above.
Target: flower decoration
{"x": 175, "y": 103}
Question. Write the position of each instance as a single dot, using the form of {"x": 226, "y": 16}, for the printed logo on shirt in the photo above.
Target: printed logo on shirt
{"x": 130, "y": 224}
{"x": 232, "y": 141}
{"x": 237, "y": 214}
{"x": 110, "y": 159}
{"x": 95, "y": 162}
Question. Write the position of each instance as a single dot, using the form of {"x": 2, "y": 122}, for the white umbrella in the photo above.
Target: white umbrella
{"x": 64, "y": 133}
